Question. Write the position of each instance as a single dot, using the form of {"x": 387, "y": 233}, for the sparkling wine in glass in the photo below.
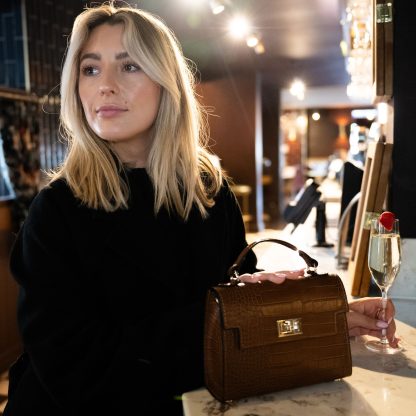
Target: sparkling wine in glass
{"x": 384, "y": 258}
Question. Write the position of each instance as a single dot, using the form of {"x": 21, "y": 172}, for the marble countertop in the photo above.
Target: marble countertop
{"x": 379, "y": 386}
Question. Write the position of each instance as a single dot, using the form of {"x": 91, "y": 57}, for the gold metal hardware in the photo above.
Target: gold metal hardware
{"x": 288, "y": 327}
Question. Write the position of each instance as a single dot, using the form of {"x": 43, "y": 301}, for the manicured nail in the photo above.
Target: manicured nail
{"x": 382, "y": 324}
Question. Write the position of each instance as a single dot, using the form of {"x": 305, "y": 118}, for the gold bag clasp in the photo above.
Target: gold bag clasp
{"x": 288, "y": 327}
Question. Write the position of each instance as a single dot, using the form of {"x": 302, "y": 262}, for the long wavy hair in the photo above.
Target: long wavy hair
{"x": 183, "y": 171}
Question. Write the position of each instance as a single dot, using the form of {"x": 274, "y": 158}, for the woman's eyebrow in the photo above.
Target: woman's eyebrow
{"x": 97, "y": 56}
{"x": 122, "y": 55}
{"x": 90, "y": 55}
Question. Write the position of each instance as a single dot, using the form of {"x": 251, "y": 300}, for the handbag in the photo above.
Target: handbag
{"x": 264, "y": 337}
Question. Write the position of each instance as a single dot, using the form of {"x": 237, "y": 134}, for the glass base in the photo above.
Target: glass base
{"x": 381, "y": 348}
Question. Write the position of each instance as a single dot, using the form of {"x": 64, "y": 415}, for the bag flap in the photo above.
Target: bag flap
{"x": 262, "y": 312}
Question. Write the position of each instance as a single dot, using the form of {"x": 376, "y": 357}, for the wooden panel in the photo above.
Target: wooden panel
{"x": 373, "y": 193}
{"x": 232, "y": 125}
{"x": 382, "y": 50}
{"x": 9, "y": 338}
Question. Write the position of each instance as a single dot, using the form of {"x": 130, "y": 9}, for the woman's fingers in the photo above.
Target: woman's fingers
{"x": 275, "y": 277}
{"x": 362, "y": 324}
{"x": 293, "y": 274}
{"x": 373, "y": 307}
{"x": 262, "y": 276}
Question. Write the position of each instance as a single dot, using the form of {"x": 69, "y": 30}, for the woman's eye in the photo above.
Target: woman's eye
{"x": 89, "y": 70}
{"x": 130, "y": 67}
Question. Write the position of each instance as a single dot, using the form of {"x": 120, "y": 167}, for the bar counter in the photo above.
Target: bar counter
{"x": 379, "y": 385}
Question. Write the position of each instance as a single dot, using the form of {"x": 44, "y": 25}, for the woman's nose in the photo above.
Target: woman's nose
{"x": 106, "y": 89}
{"x": 108, "y": 85}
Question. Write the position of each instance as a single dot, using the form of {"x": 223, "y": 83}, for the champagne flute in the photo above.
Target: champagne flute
{"x": 384, "y": 258}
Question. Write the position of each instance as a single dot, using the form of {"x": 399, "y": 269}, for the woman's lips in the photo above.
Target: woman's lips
{"x": 107, "y": 111}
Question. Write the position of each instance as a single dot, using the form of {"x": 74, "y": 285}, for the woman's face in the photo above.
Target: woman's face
{"x": 119, "y": 100}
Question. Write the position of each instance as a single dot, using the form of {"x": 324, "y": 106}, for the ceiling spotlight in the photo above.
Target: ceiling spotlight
{"x": 298, "y": 89}
{"x": 217, "y": 6}
{"x": 252, "y": 40}
{"x": 259, "y": 48}
{"x": 239, "y": 27}
{"x": 316, "y": 116}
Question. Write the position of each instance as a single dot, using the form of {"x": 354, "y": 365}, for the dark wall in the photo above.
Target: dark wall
{"x": 231, "y": 102}
{"x": 324, "y": 134}
{"x": 403, "y": 179}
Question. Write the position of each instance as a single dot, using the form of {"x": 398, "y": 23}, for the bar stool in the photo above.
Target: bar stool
{"x": 242, "y": 192}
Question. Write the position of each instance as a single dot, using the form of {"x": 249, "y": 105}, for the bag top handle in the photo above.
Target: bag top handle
{"x": 233, "y": 271}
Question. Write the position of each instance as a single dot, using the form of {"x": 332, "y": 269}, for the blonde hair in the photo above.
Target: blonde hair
{"x": 181, "y": 168}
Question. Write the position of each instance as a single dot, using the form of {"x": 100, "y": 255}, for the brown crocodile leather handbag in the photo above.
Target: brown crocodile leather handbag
{"x": 265, "y": 337}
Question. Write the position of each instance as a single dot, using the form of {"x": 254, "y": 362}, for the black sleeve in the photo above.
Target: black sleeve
{"x": 58, "y": 318}
{"x": 78, "y": 353}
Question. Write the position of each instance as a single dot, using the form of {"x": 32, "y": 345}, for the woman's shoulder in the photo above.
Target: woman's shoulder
{"x": 225, "y": 198}
{"x": 55, "y": 194}
{"x": 55, "y": 190}
{"x": 225, "y": 189}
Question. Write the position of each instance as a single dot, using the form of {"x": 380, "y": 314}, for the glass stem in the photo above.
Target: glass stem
{"x": 384, "y": 339}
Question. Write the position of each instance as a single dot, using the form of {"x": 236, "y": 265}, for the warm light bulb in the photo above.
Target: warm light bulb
{"x": 217, "y": 7}
{"x": 302, "y": 123}
{"x": 316, "y": 116}
{"x": 259, "y": 48}
{"x": 239, "y": 27}
{"x": 298, "y": 89}
{"x": 252, "y": 40}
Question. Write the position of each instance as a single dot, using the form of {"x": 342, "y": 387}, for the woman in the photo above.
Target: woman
{"x": 117, "y": 253}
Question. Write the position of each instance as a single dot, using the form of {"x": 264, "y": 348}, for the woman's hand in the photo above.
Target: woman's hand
{"x": 365, "y": 317}
{"x": 365, "y": 314}
{"x": 275, "y": 277}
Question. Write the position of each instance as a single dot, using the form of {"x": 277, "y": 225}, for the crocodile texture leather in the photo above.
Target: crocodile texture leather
{"x": 244, "y": 355}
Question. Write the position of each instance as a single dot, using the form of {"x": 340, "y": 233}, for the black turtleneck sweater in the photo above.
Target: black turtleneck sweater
{"x": 111, "y": 304}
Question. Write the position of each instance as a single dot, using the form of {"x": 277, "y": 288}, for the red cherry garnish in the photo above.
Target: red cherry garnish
{"x": 387, "y": 219}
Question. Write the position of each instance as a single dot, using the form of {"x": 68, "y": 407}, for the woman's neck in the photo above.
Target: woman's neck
{"x": 133, "y": 155}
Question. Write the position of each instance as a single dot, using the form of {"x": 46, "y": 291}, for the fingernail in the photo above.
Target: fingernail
{"x": 390, "y": 320}
{"x": 382, "y": 324}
